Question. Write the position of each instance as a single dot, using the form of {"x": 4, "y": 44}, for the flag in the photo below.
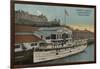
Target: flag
{"x": 66, "y": 13}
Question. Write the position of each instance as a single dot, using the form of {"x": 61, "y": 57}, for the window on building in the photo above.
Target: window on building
{"x": 64, "y": 35}
{"x": 70, "y": 36}
{"x": 53, "y": 36}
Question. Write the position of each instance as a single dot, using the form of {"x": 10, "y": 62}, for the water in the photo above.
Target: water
{"x": 86, "y": 55}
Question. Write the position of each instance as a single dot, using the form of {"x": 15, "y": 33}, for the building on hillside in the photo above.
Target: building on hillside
{"x": 25, "y": 15}
{"x": 82, "y": 34}
{"x": 22, "y": 17}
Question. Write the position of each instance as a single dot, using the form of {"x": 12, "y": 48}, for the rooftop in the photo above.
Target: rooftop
{"x": 24, "y": 28}
{"x": 26, "y": 38}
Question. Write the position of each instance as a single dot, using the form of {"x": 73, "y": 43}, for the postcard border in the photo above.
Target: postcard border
{"x": 12, "y": 29}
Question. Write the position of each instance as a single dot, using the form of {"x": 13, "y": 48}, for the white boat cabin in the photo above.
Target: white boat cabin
{"x": 54, "y": 34}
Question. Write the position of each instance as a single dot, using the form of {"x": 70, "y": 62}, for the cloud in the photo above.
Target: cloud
{"x": 82, "y": 27}
{"x": 36, "y": 12}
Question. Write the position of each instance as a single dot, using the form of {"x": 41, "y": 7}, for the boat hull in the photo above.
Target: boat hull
{"x": 23, "y": 56}
{"x": 53, "y": 54}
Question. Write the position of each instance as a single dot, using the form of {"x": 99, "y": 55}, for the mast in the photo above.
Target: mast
{"x": 65, "y": 14}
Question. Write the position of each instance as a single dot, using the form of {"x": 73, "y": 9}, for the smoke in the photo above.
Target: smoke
{"x": 38, "y": 12}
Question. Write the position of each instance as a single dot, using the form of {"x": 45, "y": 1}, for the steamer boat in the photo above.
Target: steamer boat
{"x": 46, "y": 43}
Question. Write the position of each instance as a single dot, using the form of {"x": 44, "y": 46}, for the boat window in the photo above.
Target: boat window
{"x": 42, "y": 44}
{"x": 23, "y": 47}
{"x": 17, "y": 46}
{"x": 41, "y": 36}
{"x": 33, "y": 44}
{"x": 48, "y": 37}
{"x": 59, "y": 41}
{"x": 66, "y": 40}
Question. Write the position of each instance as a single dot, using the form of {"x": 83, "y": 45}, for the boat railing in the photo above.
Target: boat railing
{"x": 67, "y": 45}
{"x": 80, "y": 41}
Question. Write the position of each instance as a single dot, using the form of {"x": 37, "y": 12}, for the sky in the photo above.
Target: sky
{"x": 76, "y": 17}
